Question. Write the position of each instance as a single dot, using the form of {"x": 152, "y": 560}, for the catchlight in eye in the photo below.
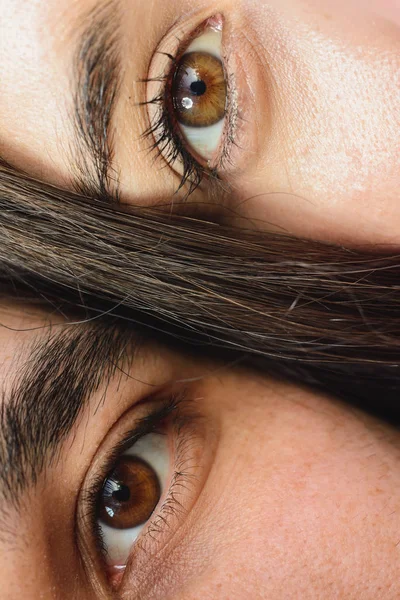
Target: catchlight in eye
{"x": 130, "y": 494}
{"x": 199, "y": 93}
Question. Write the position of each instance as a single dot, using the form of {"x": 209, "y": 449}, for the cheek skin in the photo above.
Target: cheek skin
{"x": 303, "y": 503}
{"x": 328, "y": 168}
{"x": 300, "y": 502}
{"x": 388, "y": 9}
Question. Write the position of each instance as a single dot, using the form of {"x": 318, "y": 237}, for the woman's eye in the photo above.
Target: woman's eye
{"x": 130, "y": 494}
{"x": 199, "y": 94}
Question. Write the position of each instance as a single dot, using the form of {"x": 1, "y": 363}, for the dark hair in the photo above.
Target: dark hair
{"x": 316, "y": 314}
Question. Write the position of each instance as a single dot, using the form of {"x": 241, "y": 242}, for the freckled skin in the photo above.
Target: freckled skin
{"x": 296, "y": 497}
{"x": 289, "y": 508}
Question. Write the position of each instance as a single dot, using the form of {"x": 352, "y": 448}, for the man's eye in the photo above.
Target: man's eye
{"x": 199, "y": 94}
{"x": 141, "y": 486}
{"x": 130, "y": 494}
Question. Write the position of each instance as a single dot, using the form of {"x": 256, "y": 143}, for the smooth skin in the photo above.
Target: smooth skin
{"x": 317, "y": 85}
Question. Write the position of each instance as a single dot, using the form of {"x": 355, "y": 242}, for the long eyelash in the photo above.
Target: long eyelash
{"x": 166, "y": 142}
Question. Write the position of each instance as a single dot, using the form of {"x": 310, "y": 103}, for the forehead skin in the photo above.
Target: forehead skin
{"x": 318, "y": 140}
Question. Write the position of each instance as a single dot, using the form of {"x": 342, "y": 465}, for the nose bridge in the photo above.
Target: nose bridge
{"x": 31, "y": 579}
{"x": 40, "y": 558}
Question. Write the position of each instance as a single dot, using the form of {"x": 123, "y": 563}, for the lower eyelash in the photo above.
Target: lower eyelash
{"x": 182, "y": 479}
{"x": 183, "y": 419}
{"x": 168, "y": 144}
{"x": 184, "y": 425}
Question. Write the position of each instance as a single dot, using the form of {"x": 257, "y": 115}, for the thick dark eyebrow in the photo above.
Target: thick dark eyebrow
{"x": 97, "y": 76}
{"x": 50, "y": 392}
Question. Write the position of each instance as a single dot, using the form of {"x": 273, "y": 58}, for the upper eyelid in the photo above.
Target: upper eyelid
{"x": 165, "y": 406}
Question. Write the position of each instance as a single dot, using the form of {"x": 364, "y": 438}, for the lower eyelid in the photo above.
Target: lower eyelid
{"x": 194, "y": 448}
{"x": 250, "y": 119}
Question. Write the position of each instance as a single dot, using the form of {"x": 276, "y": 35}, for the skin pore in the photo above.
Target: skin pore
{"x": 267, "y": 509}
{"x": 282, "y": 493}
{"x": 316, "y": 139}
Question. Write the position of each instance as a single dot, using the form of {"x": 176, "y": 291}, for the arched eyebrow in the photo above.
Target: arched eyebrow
{"x": 97, "y": 78}
{"x": 55, "y": 384}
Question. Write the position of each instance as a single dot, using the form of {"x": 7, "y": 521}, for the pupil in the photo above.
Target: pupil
{"x": 122, "y": 495}
{"x": 198, "y": 88}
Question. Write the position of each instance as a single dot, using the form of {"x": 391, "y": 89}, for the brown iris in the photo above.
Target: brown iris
{"x": 199, "y": 90}
{"x": 130, "y": 494}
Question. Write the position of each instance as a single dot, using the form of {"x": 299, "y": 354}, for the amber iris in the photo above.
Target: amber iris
{"x": 130, "y": 494}
{"x": 199, "y": 91}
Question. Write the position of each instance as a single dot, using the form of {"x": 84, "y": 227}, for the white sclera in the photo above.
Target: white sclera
{"x": 205, "y": 140}
{"x": 210, "y": 42}
{"x": 153, "y": 448}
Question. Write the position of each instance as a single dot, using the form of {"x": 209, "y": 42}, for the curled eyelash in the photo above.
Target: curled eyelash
{"x": 167, "y": 143}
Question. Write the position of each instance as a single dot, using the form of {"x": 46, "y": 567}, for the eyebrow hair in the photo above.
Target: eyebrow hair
{"x": 55, "y": 384}
{"x": 97, "y": 78}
